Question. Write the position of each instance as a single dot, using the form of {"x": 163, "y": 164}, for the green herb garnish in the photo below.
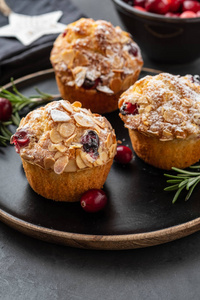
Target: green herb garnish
{"x": 19, "y": 102}
{"x": 183, "y": 180}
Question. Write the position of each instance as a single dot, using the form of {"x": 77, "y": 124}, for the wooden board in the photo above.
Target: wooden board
{"x": 139, "y": 213}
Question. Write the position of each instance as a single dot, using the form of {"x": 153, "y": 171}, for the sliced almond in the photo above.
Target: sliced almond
{"x": 83, "y": 120}
{"x": 27, "y": 156}
{"x": 55, "y": 136}
{"x": 76, "y": 146}
{"x": 57, "y": 155}
{"x": 173, "y": 116}
{"x": 104, "y": 89}
{"x": 59, "y": 116}
{"x": 84, "y": 157}
{"x": 80, "y": 162}
{"x": 60, "y": 164}
{"x": 117, "y": 62}
{"x": 81, "y": 59}
{"x": 71, "y": 166}
{"x": 109, "y": 140}
{"x": 127, "y": 82}
{"x": 103, "y": 156}
{"x": 112, "y": 150}
{"x": 98, "y": 122}
{"x": 77, "y": 104}
{"x": 115, "y": 85}
{"x": 67, "y": 106}
{"x": 70, "y": 139}
{"x": 66, "y": 129}
{"x": 60, "y": 148}
{"x": 80, "y": 77}
{"x": 49, "y": 162}
{"x": 68, "y": 57}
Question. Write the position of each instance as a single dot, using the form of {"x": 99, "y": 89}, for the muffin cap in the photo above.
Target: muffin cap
{"x": 66, "y": 138}
{"x": 97, "y": 52}
{"x": 166, "y": 106}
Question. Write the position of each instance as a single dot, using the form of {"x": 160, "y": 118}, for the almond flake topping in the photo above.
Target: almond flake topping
{"x": 61, "y": 164}
{"x": 83, "y": 120}
{"x": 66, "y": 129}
{"x": 59, "y": 116}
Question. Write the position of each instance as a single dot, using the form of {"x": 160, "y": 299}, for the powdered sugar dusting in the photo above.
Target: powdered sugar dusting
{"x": 169, "y": 106}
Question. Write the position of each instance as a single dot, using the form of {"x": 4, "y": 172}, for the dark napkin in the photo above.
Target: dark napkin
{"x": 17, "y": 60}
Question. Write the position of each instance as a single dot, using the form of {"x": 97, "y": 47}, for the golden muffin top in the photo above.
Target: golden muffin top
{"x": 94, "y": 53}
{"x": 165, "y": 106}
{"x": 65, "y": 137}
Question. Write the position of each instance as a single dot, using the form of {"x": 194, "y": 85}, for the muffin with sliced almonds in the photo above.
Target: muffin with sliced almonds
{"x": 94, "y": 62}
{"x": 162, "y": 114}
{"x": 65, "y": 150}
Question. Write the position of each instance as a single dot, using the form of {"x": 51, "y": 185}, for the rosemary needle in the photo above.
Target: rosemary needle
{"x": 183, "y": 180}
{"x": 19, "y": 101}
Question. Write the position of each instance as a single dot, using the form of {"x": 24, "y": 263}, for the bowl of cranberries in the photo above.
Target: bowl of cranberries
{"x": 167, "y": 31}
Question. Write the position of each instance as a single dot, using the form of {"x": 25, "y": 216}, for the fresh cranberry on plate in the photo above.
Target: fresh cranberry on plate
{"x": 93, "y": 200}
{"x": 5, "y": 109}
{"x": 124, "y": 154}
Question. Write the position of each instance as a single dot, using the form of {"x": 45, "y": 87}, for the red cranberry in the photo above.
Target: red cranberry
{"x": 129, "y": 109}
{"x": 172, "y": 15}
{"x": 20, "y": 139}
{"x": 139, "y": 3}
{"x": 191, "y": 6}
{"x": 194, "y": 78}
{"x": 90, "y": 143}
{"x": 5, "y": 109}
{"x": 157, "y": 6}
{"x": 188, "y": 14}
{"x": 175, "y": 5}
{"x": 93, "y": 200}
{"x": 198, "y": 14}
{"x": 132, "y": 49}
{"x": 124, "y": 154}
{"x": 139, "y": 8}
{"x": 90, "y": 84}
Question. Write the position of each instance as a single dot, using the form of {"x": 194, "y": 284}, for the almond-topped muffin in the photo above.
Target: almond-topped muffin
{"x": 94, "y": 63}
{"x": 162, "y": 114}
{"x": 65, "y": 150}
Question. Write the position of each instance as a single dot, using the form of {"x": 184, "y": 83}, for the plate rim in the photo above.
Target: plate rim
{"x": 100, "y": 242}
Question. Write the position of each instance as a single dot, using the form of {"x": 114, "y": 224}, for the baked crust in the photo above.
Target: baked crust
{"x": 96, "y": 52}
{"x": 165, "y": 155}
{"x": 66, "y": 187}
{"x": 165, "y": 127}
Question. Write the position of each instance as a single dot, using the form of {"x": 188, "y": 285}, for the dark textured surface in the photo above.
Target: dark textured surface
{"x": 31, "y": 269}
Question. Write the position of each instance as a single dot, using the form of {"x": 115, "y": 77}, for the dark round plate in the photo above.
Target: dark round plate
{"x": 139, "y": 213}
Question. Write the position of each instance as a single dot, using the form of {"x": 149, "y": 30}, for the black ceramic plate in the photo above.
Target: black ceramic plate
{"x": 139, "y": 213}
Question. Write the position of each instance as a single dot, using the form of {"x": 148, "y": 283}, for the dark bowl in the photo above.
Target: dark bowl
{"x": 163, "y": 39}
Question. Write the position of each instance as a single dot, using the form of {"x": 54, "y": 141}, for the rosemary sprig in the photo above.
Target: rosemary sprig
{"x": 183, "y": 180}
{"x": 19, "y": 102}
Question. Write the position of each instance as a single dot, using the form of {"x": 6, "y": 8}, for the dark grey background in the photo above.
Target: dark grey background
{"x": 32, "y": 269}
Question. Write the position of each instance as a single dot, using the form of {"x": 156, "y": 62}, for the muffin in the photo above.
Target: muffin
{"x": 65, "y": 150}
{"x": 94, "y": 63}
{"x": 162, "y": 114}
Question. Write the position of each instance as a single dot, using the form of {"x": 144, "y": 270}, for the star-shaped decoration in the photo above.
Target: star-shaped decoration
{"x": 27, "y": 29}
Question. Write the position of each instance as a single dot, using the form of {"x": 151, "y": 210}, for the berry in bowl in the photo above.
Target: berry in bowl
{"x": 165, "y": 30}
